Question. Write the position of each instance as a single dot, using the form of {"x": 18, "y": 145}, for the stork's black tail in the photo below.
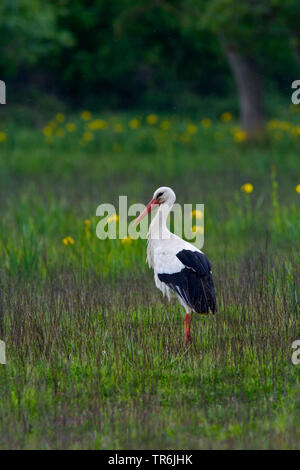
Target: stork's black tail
{"x": 194, "y": 283}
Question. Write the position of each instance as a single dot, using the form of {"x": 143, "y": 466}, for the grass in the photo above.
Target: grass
{"x": 95, "y": 355}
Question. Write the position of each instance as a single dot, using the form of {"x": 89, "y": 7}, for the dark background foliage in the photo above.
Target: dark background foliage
{"x": 158, "y": 54}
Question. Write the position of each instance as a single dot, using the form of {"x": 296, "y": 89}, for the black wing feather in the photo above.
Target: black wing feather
{"x": 194, "y": 283}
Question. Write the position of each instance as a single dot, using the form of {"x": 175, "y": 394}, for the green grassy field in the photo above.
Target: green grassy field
{"x": 95, "y": 355}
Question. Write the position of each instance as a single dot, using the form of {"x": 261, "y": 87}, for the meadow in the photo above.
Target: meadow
{"x": 95, "y": 355}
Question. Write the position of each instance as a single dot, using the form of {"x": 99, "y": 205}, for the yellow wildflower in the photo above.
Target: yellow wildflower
{"x": 86, "y": 115}
{"x": 152, "y": 119}
{"x": 71, "y": 127}
{"x": 98, "y": 124}
{"x": 191, "y": 129}
{"x": 240, "y": 135}
{"x": 3, "y": 136}
{"x": 273, "y": 124}
{"x": 198, "y": 229}
{"x": 226, "y": 117}
{"x": 296, "y": 130}
{"x": 113, "y": 218}
{"x": 165, "y": 125}
{"x": 206, "y": 123}
{"x": 198, "y": 214}
{"x": 47, "y": 131}
{"x": 134, "y": 123}
{"x": 285, "y": 126}
{"x": 282, "y": 125}
{"x": 60, "y": 117}
{"x": 298, "y": 188}
{"x": 247, "y": 188}
{"x": 126, "y": 240}
{"x": 68, "y": 241}
{"x": 87, "y": 224}
{"x": 60, "y": 132}
{"x": 87, "y": 136}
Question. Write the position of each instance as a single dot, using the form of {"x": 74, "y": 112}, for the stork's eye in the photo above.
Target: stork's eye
{"x": 159, "y": 195}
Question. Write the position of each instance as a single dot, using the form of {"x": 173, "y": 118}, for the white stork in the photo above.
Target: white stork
{"x": 177, "y": 264}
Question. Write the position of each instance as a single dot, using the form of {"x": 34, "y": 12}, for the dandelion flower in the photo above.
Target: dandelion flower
{"x": 273, "y": 124}
{"x": 112, "y": 218}
{"x": 165, "y": 125}
{"x": 68, "y": 241}
{"x": 86, "y": 115}
{"x": 198, "y": 229}
{"x": 87, "y": 136}
{"x": 296, "y": 130}
{"x": 60, "y": 117}
{"x": 60, "y": 133}
{"x": 240, "y": 135}
{"x": 126, "y": 240}
{"x": 47, "y": 131}
{"x": 3, "y": 136}
{"x": 298, "y": 188}
{"x": 192, "y": 129}
{"x": 282, "y": 125}
{"x": 247, "y": 188}
{"x": 71, "y": 127}
{"x": 206, "y": 123}
{"x": 87, "y": 224}
{"x": 98, "y": 124}
{"x": 134, "y": 123}
{"x": 226, "y": 117}
{"x": 152, "y": 119}
{"x": 198, "y": 214}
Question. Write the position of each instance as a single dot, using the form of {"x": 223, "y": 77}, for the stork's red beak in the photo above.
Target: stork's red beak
{"x": 150, "y": 206}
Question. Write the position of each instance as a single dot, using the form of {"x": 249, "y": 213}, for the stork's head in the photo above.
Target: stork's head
{"x": 163, "y": 195}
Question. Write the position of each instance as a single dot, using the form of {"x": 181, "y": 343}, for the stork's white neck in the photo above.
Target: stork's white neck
{"x": 158, "y": 228}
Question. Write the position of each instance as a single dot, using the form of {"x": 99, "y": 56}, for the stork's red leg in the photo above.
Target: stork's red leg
{"x": 187, "y": 329}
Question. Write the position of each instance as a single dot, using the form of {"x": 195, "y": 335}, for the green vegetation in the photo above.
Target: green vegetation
{"x": 95, "y": 355}
{"x": 146, "y": 53}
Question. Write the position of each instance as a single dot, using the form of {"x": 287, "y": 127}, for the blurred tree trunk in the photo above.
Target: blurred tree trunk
{"x": 250, "y": 90}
